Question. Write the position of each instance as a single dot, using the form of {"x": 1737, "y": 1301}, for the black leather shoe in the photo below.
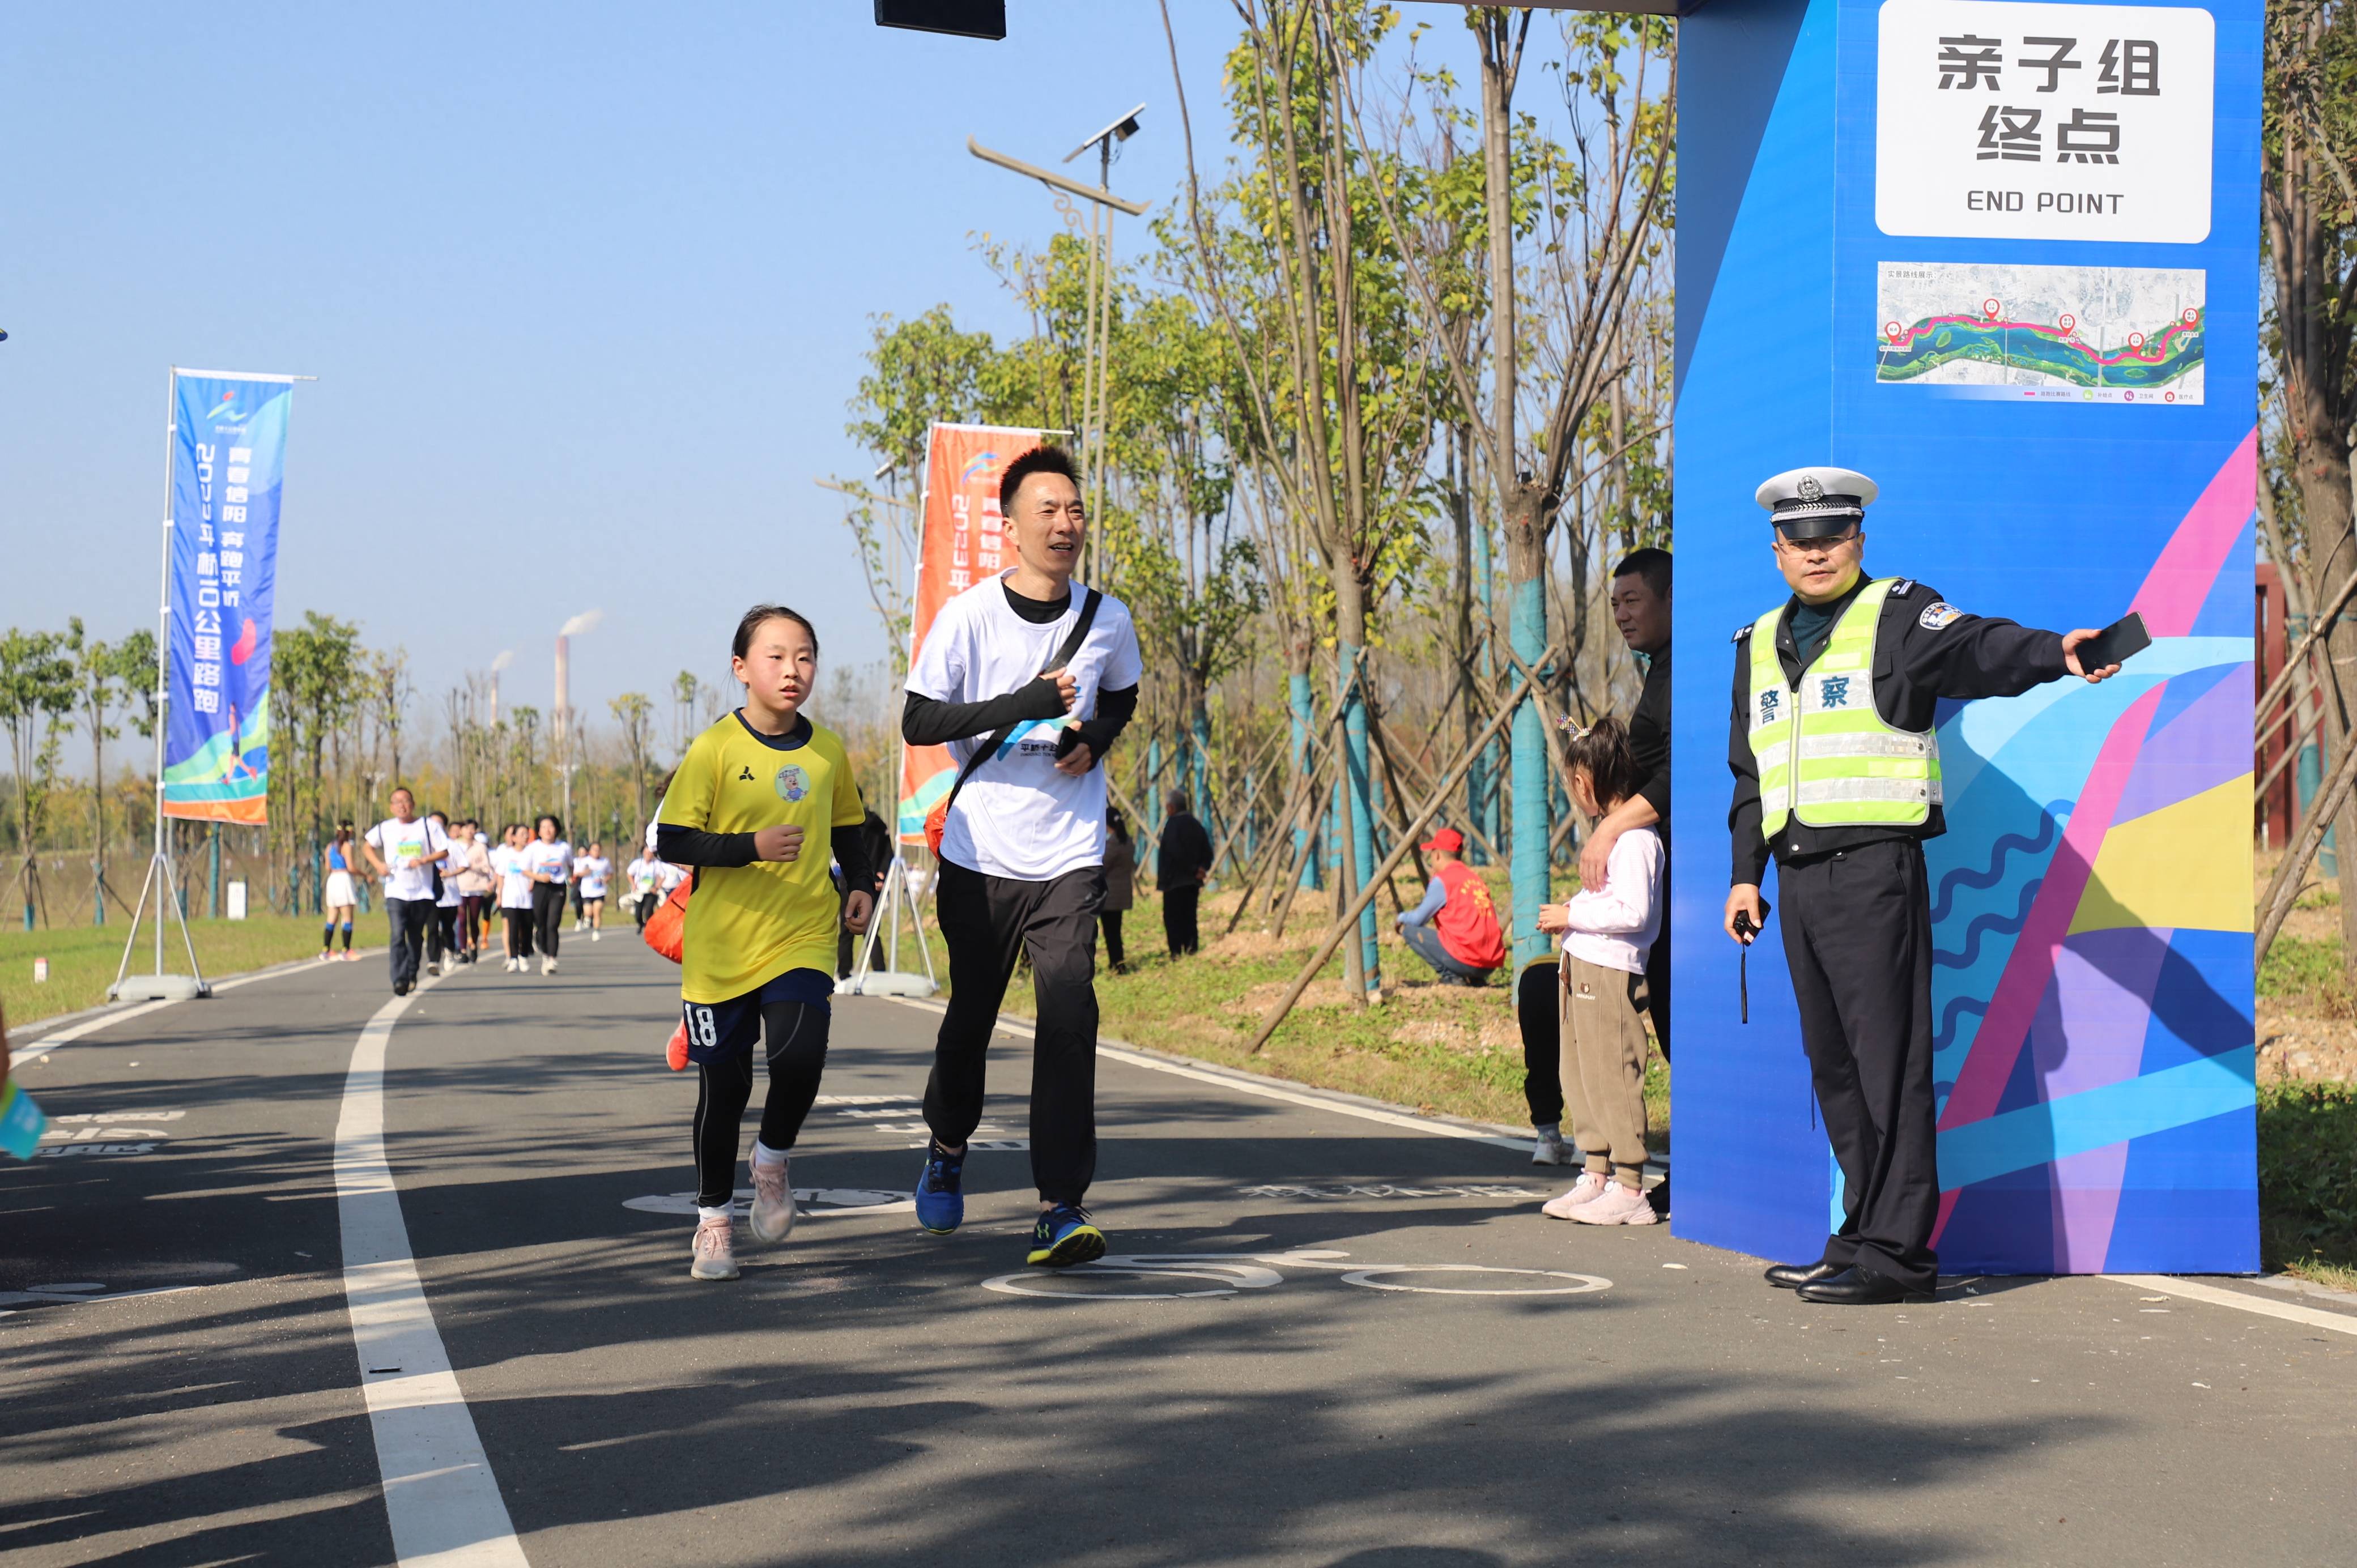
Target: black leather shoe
{"x": 1860, "y": 1287}
{"x": 1793, "y": 1276}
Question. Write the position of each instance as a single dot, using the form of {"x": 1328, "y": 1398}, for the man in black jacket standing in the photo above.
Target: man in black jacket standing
{"x": 1180, "y": 868}
{"x": 1640, "y": 608}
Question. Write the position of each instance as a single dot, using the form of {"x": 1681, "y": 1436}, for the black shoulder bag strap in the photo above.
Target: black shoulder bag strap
{"x": 997, "y": 737}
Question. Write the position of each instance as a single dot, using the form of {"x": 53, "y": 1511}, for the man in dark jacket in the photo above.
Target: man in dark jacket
{"x": 1180, "y": 869}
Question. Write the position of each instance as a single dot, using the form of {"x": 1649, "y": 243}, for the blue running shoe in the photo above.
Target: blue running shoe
{"x": 941, "y": 1197}
{"x": 1064, "y": 1237}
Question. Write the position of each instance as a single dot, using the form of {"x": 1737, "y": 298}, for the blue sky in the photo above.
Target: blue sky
{"x": 586, "y": 287}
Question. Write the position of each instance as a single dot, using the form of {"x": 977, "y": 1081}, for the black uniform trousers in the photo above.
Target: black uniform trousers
{"x": 986, "y": 923}
{"x": 1657, "y": 967}
{"x": 1857, "y": 924}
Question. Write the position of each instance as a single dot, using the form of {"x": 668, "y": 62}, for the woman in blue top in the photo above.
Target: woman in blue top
{"x": 340, "y": 895}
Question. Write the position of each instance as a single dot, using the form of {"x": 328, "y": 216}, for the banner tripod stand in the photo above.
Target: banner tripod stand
{"x": 894, "y": 902}
{"x": 160, "y": 987}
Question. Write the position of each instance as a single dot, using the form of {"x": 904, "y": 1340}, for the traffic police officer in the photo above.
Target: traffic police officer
{"x": 1837, "y": 775}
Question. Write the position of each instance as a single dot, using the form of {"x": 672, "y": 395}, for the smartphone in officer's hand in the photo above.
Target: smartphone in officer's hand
{"x": 2114, "y": 644}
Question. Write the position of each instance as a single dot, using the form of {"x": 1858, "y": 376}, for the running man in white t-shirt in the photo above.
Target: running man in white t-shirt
{"x": 1023, "y": 848}
{"x": 404, "y": 849}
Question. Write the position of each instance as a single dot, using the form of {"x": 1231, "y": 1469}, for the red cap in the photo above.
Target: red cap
{"x": 1448, "y": 841}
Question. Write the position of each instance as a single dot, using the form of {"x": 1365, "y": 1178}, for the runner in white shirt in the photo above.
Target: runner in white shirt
{"x": 590, "y": 874}
{"x": 405, "y": 848}
{"x": 515, "y": 898}
{"x": 1023, "y": 846}
{"x": 548, "y": 860}
{"x": 642, "y": 875}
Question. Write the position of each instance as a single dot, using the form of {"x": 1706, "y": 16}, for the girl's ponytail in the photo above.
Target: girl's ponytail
{"x": 1603, "y": 751}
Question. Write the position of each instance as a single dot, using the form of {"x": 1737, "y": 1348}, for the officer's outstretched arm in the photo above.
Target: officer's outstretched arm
{"x": 1947, "y": 653}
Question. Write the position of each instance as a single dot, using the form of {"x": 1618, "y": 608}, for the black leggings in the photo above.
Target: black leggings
{"x": 519, "y": 930}
{"x": 547, "y": 916}
{"x": 795, "y": 1033}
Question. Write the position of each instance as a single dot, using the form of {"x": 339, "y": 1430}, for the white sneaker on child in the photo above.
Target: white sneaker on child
{"x": 714, "y": 1251}
{"x": 1619, "y": 1204}
{"x": 1550, "y": 1149}
{"x": 773, "y": 1203}
{"x": 1586, "y": 1189}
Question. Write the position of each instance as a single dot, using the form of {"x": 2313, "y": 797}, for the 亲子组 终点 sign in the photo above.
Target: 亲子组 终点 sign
{"x": 2044, "y": 122}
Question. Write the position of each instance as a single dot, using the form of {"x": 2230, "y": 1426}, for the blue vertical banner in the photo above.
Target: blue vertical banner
{"x": 228, "y": 451}
{"x": 2002, "y": 257}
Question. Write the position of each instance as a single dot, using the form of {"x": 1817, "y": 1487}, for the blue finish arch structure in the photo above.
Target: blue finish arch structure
{"x": 2031, "y": 313}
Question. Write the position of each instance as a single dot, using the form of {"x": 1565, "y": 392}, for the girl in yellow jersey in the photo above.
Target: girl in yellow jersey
{"x": 755, "y": 803}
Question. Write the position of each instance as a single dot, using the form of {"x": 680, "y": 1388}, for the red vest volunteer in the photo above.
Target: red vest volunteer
{"x": 1455, "y": 928}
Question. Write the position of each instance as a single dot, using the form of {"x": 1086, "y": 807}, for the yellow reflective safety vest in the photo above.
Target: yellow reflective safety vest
{"x": 1824, "y": 752}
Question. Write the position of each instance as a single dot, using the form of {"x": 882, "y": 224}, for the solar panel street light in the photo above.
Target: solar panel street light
{"x": 962, "y": 18}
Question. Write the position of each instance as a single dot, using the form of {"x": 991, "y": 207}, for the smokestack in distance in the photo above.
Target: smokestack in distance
{"x": 562, "y": 716}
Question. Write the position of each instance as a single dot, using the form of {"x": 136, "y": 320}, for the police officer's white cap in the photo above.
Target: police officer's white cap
{"x": 1816, "y": 502}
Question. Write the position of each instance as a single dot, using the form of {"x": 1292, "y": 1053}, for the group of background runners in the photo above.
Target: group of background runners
{"x": 442, "y": 880}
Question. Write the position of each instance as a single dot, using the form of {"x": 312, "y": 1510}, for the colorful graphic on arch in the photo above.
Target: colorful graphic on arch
{"x": 2094, "y": 887}
{"x": 959, "y": 546}
{"x": 229, "y": 450}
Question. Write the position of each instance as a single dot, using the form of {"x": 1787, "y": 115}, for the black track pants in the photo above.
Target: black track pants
{"x": 1858, "y": 935}
{"x": 988, "y": 922}
{"x": 795, "y": 1040}
{"x": 547, "y": 916}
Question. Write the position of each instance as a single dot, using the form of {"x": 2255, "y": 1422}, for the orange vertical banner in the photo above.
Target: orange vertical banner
{"x": 959, "y": 544}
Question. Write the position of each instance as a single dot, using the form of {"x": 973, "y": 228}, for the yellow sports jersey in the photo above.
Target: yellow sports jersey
{"x": 747, "y": 925}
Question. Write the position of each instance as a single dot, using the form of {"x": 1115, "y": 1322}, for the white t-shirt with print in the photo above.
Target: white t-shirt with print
{"x": 515, "y": 887}
{"x": 403, "y": 847}
{"x": 593, "y": 870}
{"x": 1018, "y": 817}
{"x": 555, "y": 859}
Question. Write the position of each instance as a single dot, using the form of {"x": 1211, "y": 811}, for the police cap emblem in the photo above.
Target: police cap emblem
{"x": 1809, "y": 490}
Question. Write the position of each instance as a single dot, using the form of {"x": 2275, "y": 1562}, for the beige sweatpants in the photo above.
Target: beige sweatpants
{"x": 1604, "y": 1065}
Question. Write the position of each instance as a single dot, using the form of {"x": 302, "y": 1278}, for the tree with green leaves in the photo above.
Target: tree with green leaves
{"x": 37, "y": 688}
{"x": 635, "y": 714}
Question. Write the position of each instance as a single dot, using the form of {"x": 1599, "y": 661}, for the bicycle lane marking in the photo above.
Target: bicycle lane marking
{"x": 440, "y": 1496}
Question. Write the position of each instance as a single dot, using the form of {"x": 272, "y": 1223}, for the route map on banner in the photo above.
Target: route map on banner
{"x": 2124, "y": 335}
{"x": 959, "y": 544}
{"x": 229, "y": 449}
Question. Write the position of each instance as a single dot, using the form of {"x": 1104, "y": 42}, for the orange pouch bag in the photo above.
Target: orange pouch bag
{"x": 666, "y": 929}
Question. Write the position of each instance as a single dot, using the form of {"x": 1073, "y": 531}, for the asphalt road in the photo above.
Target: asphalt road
{"x": 1337, "y": 1339}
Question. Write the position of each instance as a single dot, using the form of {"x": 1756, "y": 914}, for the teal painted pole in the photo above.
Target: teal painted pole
{"x": 1362, "y": 823}
{"x": 1481, "y": 780}
{"x": 1531, "y": 786}
{"x": 1153, "y": 802}
{"x": 1298, "y": 688}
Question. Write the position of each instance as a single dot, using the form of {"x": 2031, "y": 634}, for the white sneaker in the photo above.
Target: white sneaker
{"x": 1588, "y": 1187}
{"x": 714, "y": 1251}
{"x": 548, "y": 966}
{"x": 1618, "y": 1204}
{"x": 595, "y": 935}
{"x": 1551, "y": 1150}
{"x": 773, "y": 1203}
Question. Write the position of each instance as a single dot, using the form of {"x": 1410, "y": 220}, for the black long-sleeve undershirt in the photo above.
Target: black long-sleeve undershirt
{"x": 703, "y": 850}
{"x": 927, "y": 720}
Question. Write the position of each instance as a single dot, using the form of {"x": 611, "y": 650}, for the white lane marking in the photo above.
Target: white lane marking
{"x": 2169, "y": 1284}
{"x": 1013, "y": 1025}
{"x": 440, "y": 1496}
{"x": 1583, "y": 1285}
{"x": 40, "y": 1048}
